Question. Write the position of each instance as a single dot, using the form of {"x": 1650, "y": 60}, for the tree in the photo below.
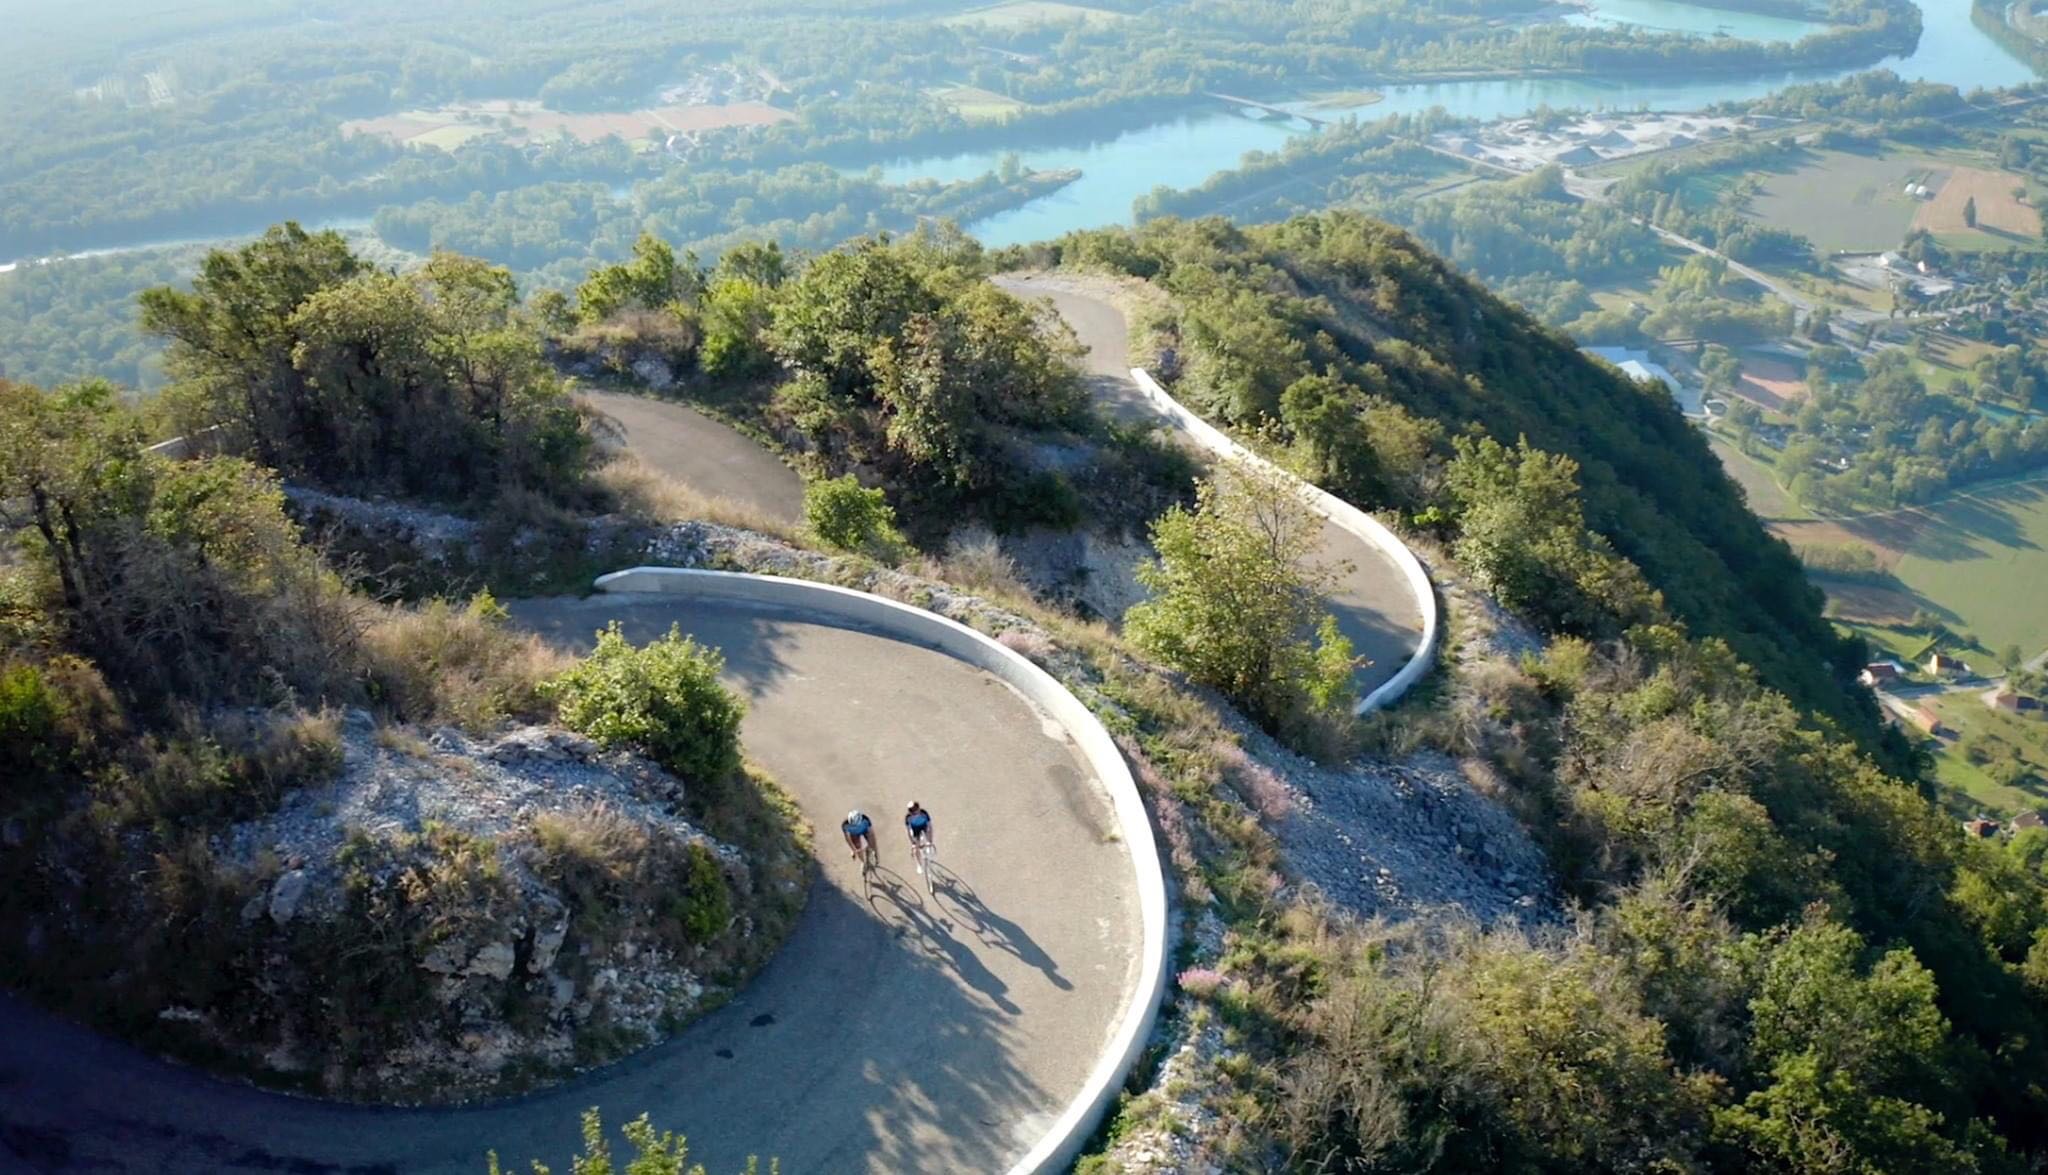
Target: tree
{"x": 652, "y": 280}
{"x": 1236, "y": 603}
{"x": 1851, "y": 1057}
{"x": 1970, "y": 211}
{"x": 1521, "y": 533}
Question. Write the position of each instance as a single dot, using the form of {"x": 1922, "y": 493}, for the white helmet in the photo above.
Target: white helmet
{"x": 911, "y": 806}
{"x": 855, "y": 816}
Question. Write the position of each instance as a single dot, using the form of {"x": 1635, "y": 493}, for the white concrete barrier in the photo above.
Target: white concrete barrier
{"x": 1056, "y": 1150}
{"x": 1348, "y": 518}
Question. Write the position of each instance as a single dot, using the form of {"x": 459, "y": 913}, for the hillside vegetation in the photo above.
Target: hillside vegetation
{"x": 1786, "y": 958}
{"x": 1371, "y": 352}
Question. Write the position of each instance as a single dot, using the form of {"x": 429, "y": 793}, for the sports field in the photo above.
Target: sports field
{"x": 978, "y": 104}
{"x": 1019, "y": 14}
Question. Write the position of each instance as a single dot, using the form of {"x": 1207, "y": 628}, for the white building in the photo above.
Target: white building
{"x": 1638, "y": 366}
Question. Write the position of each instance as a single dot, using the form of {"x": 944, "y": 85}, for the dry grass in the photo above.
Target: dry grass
{"x": 441, "y": 663}
{"x": 1997, "y": 211}
{"x": 1029, "y": 643}
{"x": 646, "y": 493}
{"x": 975, "y": 560}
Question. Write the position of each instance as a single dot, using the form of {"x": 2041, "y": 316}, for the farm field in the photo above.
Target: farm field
{"x": 521, "y": 121}
{"x": 1984, "y": 558}
{"x": 1977, "y": 562}
{"x": 1017, "y": 14}
{"x": 2001, "y": 216}
{"x": 1844, "y": 201}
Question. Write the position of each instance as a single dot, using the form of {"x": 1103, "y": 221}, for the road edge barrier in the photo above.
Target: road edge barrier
{"x": 1063, "y": 1141}
{"x": 1348, "y": 518}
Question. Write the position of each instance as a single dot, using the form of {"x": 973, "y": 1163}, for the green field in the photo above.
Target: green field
{"x": 1019, "y": 14}
{"x": 1767, "y": 499}
{"x": 978, "y": 104}
{"x": 1982, "y": 734}
{"x": 1844, "y": 201}
{"x": 1984, "y": 558}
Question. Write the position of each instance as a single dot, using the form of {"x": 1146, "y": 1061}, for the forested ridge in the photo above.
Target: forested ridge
{"x": 1340, "y": 294}
{"x": 1784, "y": 957}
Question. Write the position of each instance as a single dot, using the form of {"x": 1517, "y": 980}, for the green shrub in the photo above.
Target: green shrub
{"x": 29, "y": 712}
{"x": 846, "y": 516}
{"x": 707, "y": 907}
{"x": 663, "y": 700}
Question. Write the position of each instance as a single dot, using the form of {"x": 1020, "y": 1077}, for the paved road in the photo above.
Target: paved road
{"x": 903, "y": 1033}
{"x": 707, "y": 455}
{"x": 1372, "y": 602}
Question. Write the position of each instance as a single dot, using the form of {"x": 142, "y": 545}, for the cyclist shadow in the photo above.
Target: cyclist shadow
{"x": 992, "y": 929}
{"x": 936, "y": 933}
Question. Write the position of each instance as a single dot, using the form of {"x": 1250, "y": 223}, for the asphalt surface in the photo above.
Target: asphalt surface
{"x": 707, "y": 455}
{"x": 1370, "y": 599}
{"x": 893, "y": 1032}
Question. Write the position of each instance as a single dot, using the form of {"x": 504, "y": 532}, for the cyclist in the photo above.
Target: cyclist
{"x": 859, "y": 832}
{"x": 918, "y": 823}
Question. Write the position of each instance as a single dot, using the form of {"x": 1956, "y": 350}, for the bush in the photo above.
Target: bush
{"x": 663, "y": 700}
{"x": 706, "y": 906}
{"x": 844, "y": 515}
{"x": 29, "y": 712}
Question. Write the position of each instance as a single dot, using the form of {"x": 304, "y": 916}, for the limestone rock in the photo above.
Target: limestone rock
{"x": 547, "y": 943}
{"x": 285, "y": 895}
{"x": 494, "y": 961}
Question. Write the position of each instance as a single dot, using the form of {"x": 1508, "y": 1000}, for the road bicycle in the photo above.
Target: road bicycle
{"x": 870, "y": 860}
{"x": 927, "y": 855}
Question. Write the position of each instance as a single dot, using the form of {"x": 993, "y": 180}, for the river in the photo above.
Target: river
{"x": 340, "y": 224}
{"x": 1117, "y": 169}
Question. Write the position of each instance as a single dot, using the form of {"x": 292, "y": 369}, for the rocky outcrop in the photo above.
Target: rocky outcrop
{"x": 450, "y": 916}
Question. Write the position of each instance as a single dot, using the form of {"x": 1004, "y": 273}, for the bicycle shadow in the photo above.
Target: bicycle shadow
{"x": 935, "y": 932}
{"x": 994, "y": 930}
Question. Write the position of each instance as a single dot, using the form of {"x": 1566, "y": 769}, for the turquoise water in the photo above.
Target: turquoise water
{"x": 1179, "y": 154}
{"x": 1669, "y": 16}
{"x": 1184, "y": 152}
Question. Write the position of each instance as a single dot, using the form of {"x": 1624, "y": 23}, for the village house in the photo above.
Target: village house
{"x": 1981, "y": 828}
{"x": 1880, "y": 673}
{"x": 2003, "y": 698}
{"x": 1943, "y": 665}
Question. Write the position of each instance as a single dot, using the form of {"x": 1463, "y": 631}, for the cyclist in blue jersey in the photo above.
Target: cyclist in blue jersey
{"x": 859, "y": 832}
{"x": 918, "y": 823}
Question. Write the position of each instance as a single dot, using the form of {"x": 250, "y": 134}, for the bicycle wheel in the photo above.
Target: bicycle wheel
{"x": 927, "y": 858}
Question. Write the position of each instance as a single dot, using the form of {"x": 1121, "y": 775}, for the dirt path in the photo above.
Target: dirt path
{"x": 1372, "y": 601}
{"x": 904, "y": 1033}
